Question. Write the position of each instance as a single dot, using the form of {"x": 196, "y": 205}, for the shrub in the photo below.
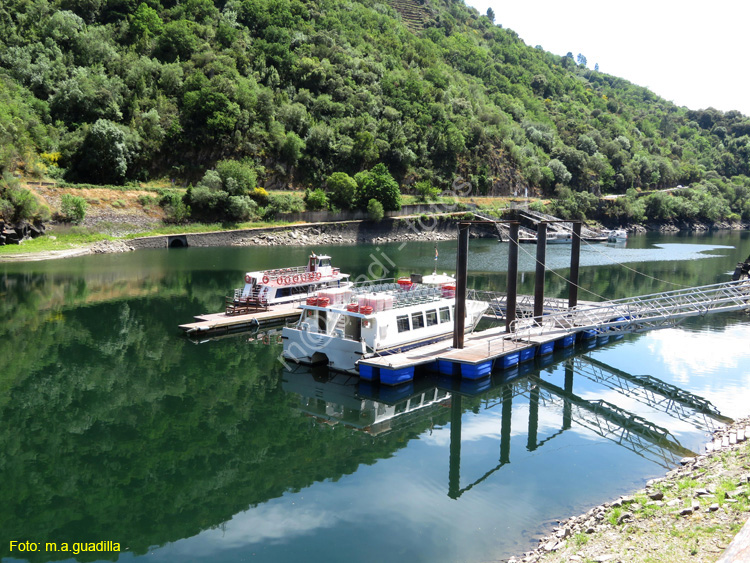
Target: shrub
{"x": 205, "y": 203}
{"x": 426, "y": 191}
{"x": 175, "y": 209}
{"x": 6, "y": 209}
{"x": 316, "y": 200}
{"x": 260, "y": 196}
{"x": 375, "y": 210}
{"x": 241, "y": 208}
{"x": 283, "y": 203}
{"x": 73, "y": 208}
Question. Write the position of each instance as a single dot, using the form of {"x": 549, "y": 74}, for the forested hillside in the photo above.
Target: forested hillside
{"x": 110, "y": 91}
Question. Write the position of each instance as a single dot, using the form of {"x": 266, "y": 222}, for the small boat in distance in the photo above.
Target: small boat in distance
{"x": 341, "y": 326}
{"x": 286, "y": 285}
{"x": 560, "y": 238}
{"x": 617, "y": 235}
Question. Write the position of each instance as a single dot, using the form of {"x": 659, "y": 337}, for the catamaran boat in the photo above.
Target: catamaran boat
{"x": 287, "y": 285}
{"x": 343, "y": 325}
{"x": 617, "y": 235}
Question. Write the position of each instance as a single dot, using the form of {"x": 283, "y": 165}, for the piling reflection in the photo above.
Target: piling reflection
{"x": 335, "y": 398}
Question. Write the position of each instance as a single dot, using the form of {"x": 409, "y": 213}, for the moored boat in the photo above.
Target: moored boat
{"x": 341, "y": 326}
{"x": 560, "y": 238}
{"x": 286, "y": 285}
{"x": 617, "y": 235}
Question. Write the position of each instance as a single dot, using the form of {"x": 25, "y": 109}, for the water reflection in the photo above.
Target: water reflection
{"x": 114, "y": 427}
{"x": 342, "y": 399}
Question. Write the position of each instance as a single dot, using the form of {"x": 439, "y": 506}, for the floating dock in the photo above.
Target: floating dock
{"x": 482, "y": 352}
{"x": 213, "y": 323}
{"x": 593, "y": 325}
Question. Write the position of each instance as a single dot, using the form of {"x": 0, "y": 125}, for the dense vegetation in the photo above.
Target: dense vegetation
{"x": 111, "y": 91}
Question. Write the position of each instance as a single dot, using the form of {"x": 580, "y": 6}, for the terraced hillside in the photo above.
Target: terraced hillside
{"x": 414, "y": 14}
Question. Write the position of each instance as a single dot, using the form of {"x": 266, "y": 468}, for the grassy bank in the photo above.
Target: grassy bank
{"x": 65, "y": 238}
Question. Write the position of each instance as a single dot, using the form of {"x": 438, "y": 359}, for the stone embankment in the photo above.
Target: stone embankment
{"x": 691, "y": 514}
{"x": 433, "y": 228}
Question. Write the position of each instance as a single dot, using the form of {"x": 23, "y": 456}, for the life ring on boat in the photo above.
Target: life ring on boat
{"x": 248, "y": 279}
{"x": 318, "y": 275}
{"x": 265, "y": 279}
{"x": 265, "y": 339}
{"x": 295, "y": 279}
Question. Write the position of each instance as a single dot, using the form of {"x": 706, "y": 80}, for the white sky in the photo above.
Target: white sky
{"x": 692, "y": 53}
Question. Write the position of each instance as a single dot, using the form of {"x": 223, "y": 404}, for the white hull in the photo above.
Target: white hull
{"x": 617, "y": 236}
{"x": 340, "y": 344}
{"x": 289, "y": 285}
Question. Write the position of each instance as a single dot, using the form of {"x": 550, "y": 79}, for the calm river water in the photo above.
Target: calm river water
{"x": 115, "y": 427}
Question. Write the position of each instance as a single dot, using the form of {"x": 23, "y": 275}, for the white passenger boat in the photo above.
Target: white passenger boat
{"x": 341, "y": 326}
{"x": 559, "y": 238}
{"x": 617, "y": 235}
{"x": 287, "y": 285}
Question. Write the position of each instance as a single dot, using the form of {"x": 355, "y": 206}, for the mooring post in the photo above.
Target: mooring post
{"x": 531, "y": 443}
{"x": 567, "y": 405}
{"x": 462, "y": 261}
{"x": 575, "y": 260}
{"x": 541, "y": 251}
{"x": 454, "y": 467}
{"x": 505, "y": 427}
{"x": 511, "y": 294}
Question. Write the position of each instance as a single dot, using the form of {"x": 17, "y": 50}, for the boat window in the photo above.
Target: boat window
{"x": 445, "y": 315}
{"x": 402, "y": 323}
{"x": 417, "y": 320}
{"x": 324, "y": 262}
{"x": 432, "y": 318}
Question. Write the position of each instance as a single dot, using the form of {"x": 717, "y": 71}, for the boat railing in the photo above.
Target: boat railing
{"x": 273, "y": 274}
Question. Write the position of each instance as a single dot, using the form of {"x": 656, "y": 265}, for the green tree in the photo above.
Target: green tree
{"x": 237, "y": 177}
{"x": 146, "y": 23}
{"x": 103, "y": 156}
{"x": 560, "y": 172}
{"x": 426, "y": 191}
{"x": 342, "y": 190}
{"x": 378, "y": 184}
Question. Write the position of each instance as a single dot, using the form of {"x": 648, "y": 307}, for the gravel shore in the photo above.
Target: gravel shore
{"x": 691, "y": 514}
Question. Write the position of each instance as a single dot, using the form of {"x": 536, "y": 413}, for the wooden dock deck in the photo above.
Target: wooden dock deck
{"x": 221, "y": 322}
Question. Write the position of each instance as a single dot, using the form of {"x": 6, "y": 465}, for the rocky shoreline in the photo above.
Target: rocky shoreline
{"x": 423, "y": 228}
{"x": 691, "y": 514}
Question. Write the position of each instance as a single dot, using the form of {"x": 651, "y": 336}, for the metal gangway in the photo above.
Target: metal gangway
{"x": 653, "y": 392}
{"x": 524, "y": 303}
{"x": 624, "y": 428}
{"x": 557, "y": 224}
{"x": 609, "y": 421}
{"x": 503, "y": 230}
{"x": 641, "y": 313}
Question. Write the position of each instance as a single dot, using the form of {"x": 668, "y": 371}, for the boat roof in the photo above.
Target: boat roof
{"x": 435, "y": 279}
